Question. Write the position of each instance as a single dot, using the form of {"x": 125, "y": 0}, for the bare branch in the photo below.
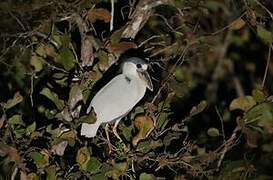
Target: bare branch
{"x": 140, "y": 16}
{"x": 112, "y": 15}
{"x": 267, "y": 63}
{"x": 87, "y": 57}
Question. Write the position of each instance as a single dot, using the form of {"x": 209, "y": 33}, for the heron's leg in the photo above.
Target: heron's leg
{"x": 108, "y": 139}
{"x": 115, "y": 130}
{"x": 125, "y": 148}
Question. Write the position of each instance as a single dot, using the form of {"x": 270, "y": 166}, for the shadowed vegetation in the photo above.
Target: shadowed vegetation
{"x": 210, "y": 115}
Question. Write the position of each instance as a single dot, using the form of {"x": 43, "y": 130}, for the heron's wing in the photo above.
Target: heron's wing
{"x": 117, "y": 98}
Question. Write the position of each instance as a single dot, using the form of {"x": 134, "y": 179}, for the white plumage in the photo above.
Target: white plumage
{"x": 118, "y": 97}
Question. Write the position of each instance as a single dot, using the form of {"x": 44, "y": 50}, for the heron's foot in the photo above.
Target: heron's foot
{"x": 121, "y": 146}
{"x": 125, "y": 148}
{"x": 121, "y": 142}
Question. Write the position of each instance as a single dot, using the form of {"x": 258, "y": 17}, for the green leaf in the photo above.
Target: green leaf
{"x": 37, "y": 63}
{"x": 145, "y": 176}
{"x": 16, "y": 120}
{"x": 137, "y": 110}
{"x": 243, "y": 103}
{"x": 263, "y": 115}
{"x": 146, "y": 146}
{"x": 118, "y": 170}
{"x": 179, "y": 74}
{"x": 59, "y": 75}
{"x": 93, "y": 165}
{"x": 264, "y": 34}
{"x": 213, "y": 132}
{"x": 53, "y": 97}
{"x": 127, "y": 132}
{"x": 83, "y": 157}
{"x": 70, "y": 136}
{"x": 103, "y": 57}
{"x": 226, "y": 115}
{"x": 55, "y": 132}
{"x": 66, "y": 58}
{"x": 61, "y": 40}
{"x": 50, "y": 114}
{"x": 19, "y": 132}
{"x": 41, "y": 160}
{"x": 258, "y": 95}
{"x": 162, "y": 119}
{"x": 116, "y": 36}
{"x": 90, "y": 118}
{"x": 17, "y": 98}
{"x": 51, "y": 173}
{"x": 31, "y": 128}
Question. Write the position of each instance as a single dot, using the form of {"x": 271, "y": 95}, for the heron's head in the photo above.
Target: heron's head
{"x": 137, "y": 68}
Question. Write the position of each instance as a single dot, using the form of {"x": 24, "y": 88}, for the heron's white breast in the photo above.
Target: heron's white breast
{"x": 117, "y": 98}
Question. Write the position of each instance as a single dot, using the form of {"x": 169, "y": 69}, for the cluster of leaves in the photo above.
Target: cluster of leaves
{"x": 211, "y": 115}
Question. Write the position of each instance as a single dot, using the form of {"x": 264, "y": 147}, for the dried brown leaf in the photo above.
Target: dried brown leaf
{"x": 199, "y": 108}
{"x": 237, "y": 24}
{"x": 120, "y": 47}
{"x": 145, "y": 125}
{"x": 99, "y": 14}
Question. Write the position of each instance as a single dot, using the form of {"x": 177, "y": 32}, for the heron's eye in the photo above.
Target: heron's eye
{"x": 138, "y": 66}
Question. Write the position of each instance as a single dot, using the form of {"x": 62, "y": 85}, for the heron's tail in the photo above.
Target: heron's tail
{"x": 89, "y": 130}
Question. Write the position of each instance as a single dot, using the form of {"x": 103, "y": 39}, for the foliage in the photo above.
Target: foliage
{"x": 210, "y": 115}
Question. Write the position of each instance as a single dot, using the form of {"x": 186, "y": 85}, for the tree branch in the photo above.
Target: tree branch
{"x": 140, "y": 16}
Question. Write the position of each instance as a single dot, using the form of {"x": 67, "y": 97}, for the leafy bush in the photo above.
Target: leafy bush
{"x": 210, "y": 115}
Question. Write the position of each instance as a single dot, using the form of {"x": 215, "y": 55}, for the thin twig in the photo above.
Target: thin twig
{"x": 165, "y": 21}
{"x": 147, "y": 40}
{"x": 17, "y": 20}
{"x": 14, "y": 173}
{"x": 227, "y": 26}
{"x": 31, "y": 88}
{"x": 45, "y": 36}
{"x": 131, "y": 5}
{"x": 179, "y": 62}
{"x": 121, "y": 11}
{"x": 238, "y": 86}
{"x": 112, "y": 15}
{"x": 262, "y": 6}
{"x": 267, "y": 64}
{"x": 224, "y": 139}
{"x": 218, "y": 70}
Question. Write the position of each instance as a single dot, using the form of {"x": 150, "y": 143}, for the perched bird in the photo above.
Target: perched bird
{"x": 118, "y": 97}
